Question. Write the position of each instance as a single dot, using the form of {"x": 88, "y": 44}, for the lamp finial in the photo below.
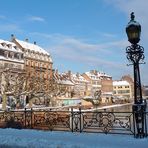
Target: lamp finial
{"x": 132, "y": 16}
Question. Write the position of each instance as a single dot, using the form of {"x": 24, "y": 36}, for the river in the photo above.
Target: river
{"x": 119, "y": 108}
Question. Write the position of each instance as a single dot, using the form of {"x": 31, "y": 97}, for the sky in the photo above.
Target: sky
{"x": 80, "y": 35}
{"x": 14, "y": 138}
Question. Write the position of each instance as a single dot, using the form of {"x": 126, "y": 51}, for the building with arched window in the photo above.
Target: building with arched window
{"x": 25, "y": 68}
{"x": 38, "y": 63}
{"x": 11, "y": 67}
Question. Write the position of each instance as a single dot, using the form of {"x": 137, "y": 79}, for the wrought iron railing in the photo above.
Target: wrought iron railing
{"x": 74, "y": 121}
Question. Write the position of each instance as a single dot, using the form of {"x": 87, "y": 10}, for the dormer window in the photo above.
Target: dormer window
{"x": 9, "y": 46}
{"x": 11, "y": 55}
{"x": 15, "y": 47}
{"x": 6, "y": 54}
{"x": 3, "y": 44}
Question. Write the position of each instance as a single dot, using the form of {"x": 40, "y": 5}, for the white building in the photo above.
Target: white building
{"x": 97, "y": 80}
{"x": 10, "y": 56}
{"x": 80, "y": 84}
{"x": 11, "y": 67}
{"x": 28, "y": 62}
{"x": 122, "y": 89}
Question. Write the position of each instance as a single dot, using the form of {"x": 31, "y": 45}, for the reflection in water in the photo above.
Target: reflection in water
{"x": 126, "y": 108}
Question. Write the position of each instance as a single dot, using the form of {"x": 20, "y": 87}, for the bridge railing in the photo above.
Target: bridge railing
{"x": 73, "y": 121}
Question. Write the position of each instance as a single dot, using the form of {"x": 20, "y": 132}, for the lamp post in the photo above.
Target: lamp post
{"x": 135, "y": 54}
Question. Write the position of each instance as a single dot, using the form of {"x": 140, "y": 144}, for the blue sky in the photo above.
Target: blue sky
{"x": 80, "y": 35}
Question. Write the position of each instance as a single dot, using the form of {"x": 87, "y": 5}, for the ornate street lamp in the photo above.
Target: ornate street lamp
{"x": 133, "y": 30}
{"x": 135, "y": 54}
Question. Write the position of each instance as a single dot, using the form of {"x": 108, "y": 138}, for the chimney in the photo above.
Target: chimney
{"x": 69, "y": 74}
{"x": 26, "y": 40}
{"x": 56, "y": 71}
{"x": 77, "y": 74}
{"x": 12, "y": 37}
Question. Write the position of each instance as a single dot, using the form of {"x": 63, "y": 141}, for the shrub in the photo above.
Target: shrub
{"x": 13, "y": 124}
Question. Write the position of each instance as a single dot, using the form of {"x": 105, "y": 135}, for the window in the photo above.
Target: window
{"x": 36, "y": 64}
{"x": 27, "y": 62}
{"x": 9, "y": 46}
{"x": 94, "y": 82}
{"x": 114, "y": 92}
{"x": 18, "y": 56}
{"x": 126, "y": 86}
{"x": 36, "y": 56}
{"x": 3, "y": 44}
{"x": 119, "y": 86}
{"x": 19, "y": 66}
{"x": 123, "y": 91}
{"x": 1, "y": 52}
{"x": 11, "y": 55}
{"x": 32, "y": 63}
{"x": 6, "y": 65}
{"x": 22, "y": 56}
{"x": 6, "y": 54}
{"x": 98, "y": 83}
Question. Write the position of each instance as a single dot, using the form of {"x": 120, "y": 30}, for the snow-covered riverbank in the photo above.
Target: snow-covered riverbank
{"x": 13, "y": 138}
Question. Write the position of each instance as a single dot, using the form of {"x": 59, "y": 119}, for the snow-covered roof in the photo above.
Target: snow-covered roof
{"x": 92, "y": 76}
{"x": 96, "y": 75}
{"x": 78, "y": 77}
{"x": 65, "y": 82}
{"x": 32, "y": 47}
{"x": 120, "y": 83}
{"x": 10, "y": 46}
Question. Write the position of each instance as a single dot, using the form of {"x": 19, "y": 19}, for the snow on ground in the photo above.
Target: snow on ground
{"x": 13, "y": 138}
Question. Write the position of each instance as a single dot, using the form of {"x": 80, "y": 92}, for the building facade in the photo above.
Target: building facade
{"x": 28, "y": 66}
{"x": 99, "y": 81}
{"x": 130, "y": 80}
{"x": 11, "y": 71}
{"x": 122, "y": 90}
{"x": 38, "y": 65}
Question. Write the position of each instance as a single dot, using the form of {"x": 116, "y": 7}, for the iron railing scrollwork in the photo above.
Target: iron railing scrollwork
{"x": 74, "y": 121}
{"x": 108, "y": 122}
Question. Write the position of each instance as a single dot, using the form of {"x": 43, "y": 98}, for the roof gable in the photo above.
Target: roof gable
{"x": 32, "y": 47}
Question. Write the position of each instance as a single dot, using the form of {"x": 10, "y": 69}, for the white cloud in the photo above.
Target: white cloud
{"x": 78, "y": 51}
{"x": 37, "y": 18}
{"x": 140, "y": 7}
{"x": 109, "y": 35}
{"x": 109, "y": 56}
